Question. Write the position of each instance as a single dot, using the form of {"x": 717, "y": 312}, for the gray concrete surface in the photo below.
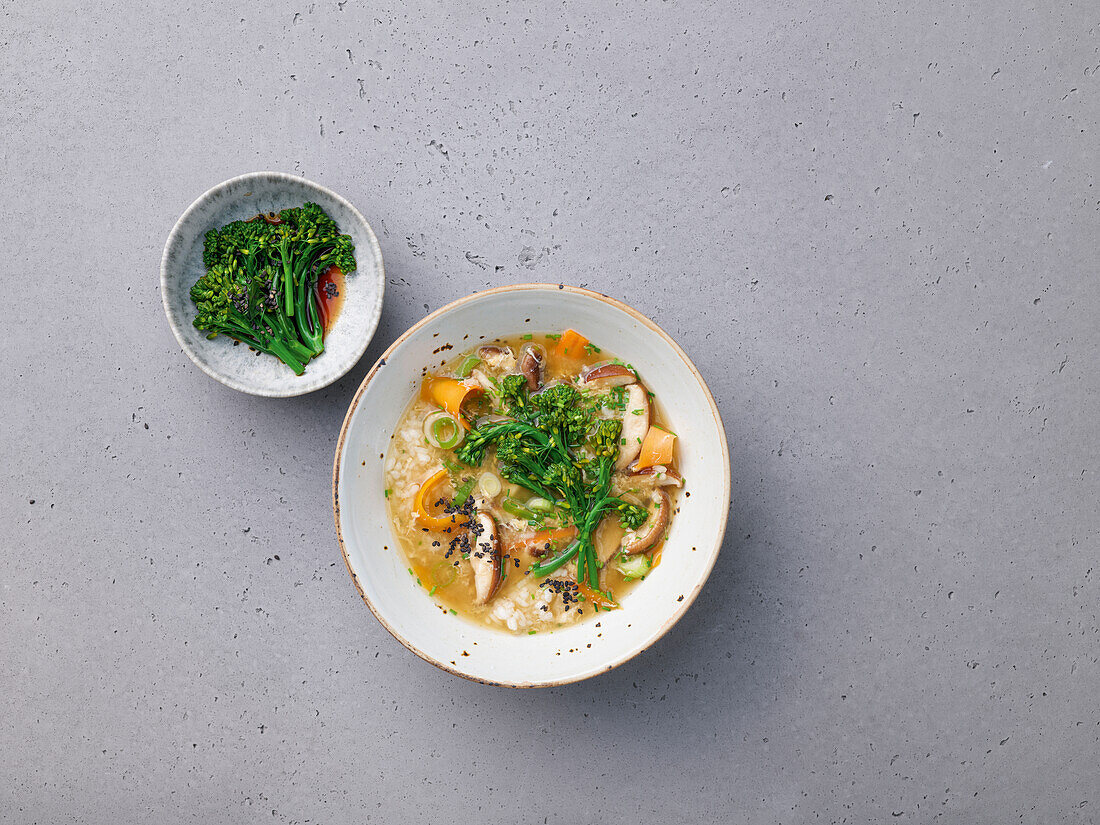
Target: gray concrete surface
{"x": 874, "y": 228}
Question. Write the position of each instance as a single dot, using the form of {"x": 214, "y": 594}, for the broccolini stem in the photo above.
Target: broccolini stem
{"x": 288, "y": 277}
{"x": 235, "y": 329}
{"x": 548, "y": 567}
{"x": 310, "y": 329}
{"x": 283, "y": 353}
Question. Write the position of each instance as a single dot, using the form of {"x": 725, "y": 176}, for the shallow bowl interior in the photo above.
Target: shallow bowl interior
{"x": 237, "y": 366}
{"x": 378, "y": 567}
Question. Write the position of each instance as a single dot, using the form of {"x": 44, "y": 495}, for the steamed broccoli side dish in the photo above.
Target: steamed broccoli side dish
{"x": 261, "y": 279}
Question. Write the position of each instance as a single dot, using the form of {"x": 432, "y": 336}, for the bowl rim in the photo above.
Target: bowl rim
{"x": 689, "y": 598}
{"x": 230, "y": 381}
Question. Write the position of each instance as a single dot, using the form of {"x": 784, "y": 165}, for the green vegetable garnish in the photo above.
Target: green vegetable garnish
{"x": 261, "y": 278}
{"x": 467, "y": 366}
{"x": 556, "y": 447}
{"x": 633, "y": 567}
{"x": 443, "y": 574}
{"x": 518, "y": 509}
{"x": 462, "y": 491}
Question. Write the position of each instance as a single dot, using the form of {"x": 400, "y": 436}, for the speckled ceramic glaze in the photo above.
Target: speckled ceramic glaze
{"x": 237, "y": 366}
{"x": 378, "y": 567}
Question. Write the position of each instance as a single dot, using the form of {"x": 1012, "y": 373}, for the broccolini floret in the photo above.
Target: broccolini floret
{"x": 272, "y": 263}
{"x": 557, "y": 448}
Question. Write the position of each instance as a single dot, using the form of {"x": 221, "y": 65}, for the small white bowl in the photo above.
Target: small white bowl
{"x": 237, "y": 366}
{"x": 377, "y": 564}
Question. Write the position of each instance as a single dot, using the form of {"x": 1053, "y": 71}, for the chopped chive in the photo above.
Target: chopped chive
{"x": 389, "y": 493}
{"x": 528, "y": 337}
{"x": 453, "y": 612}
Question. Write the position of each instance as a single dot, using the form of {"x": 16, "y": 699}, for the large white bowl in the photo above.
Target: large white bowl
{"x": 237, "y": 366}
{"x": 375, "y": 560}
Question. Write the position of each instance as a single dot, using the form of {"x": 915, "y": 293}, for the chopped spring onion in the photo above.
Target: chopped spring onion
{"x": 443, "y": 574}
{"x": 463, "y": 490}
{"x": 467, "y": 365}
{"x": 540, "y": 505}
{"x": 633, "y": 567}
{"x": 489, "y": 484}
{"x": 518, "y": 509}
{"x": 443, "y": 430}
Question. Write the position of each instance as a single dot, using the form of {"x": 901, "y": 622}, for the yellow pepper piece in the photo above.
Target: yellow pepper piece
{"x": 423, "y": 501}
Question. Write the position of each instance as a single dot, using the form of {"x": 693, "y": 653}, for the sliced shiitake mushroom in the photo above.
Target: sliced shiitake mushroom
{"x": 531, "y": 363}
{"x": 646, "y": 537}
{"x": 485, "y": 557}
{"x": 605, "y": 376}
{"x": 497, "y": 357}
{"x": 607, "y": 538}
{"x": 635, "y": 425}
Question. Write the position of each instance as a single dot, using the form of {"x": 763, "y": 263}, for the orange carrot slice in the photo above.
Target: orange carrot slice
{"x": 530, "y": 541}
{"x": 570, "y": 345}
{"x": 596, "y": 597}
{"x": 656, "y": 448}
{"x": 451, "y": 394}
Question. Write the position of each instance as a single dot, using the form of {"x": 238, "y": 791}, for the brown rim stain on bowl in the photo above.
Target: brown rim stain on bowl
{"x": 684, "y": 602}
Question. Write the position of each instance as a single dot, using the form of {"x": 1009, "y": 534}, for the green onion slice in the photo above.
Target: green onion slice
{"x": 443, "y": 430}
{"x": 489, "y": 484}
{"x": 463, "y": 490}
{"x": 443, "y": 574}
{"x": 467, "y": 366}
{"x": 518, "y": 509}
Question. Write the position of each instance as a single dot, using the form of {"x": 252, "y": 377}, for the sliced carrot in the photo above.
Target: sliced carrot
{"x": 422, "y": 504}
{"x": 596, "y": 597}
{"x": 571, "y": 344}
{"x": 451, "y": 394}
{"x": 529, "y": 541}
{"x": 656, "y": 448}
